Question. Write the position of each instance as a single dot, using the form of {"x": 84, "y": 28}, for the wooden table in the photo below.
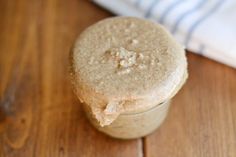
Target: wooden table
{"x": 40, "y": 116}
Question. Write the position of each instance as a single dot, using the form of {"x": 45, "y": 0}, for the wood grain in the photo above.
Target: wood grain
{"x": 202, "y": 119}
{"x": 40, "y": 116}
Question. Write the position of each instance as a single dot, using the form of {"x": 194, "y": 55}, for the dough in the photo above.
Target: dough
{"x": 124, "y": 65}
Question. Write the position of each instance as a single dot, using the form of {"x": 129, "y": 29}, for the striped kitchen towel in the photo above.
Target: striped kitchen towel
{"x": 206, "y": 27}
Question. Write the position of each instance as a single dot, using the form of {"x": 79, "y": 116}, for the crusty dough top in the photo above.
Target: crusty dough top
{"x": 125, "y": 59}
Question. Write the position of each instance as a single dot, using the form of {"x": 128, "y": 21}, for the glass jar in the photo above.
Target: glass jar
{"x": 133, "y": 125}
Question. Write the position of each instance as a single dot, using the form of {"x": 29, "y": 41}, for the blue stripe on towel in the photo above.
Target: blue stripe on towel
{"x": 199, "y": 21}
{"x": 151, "y": 7}
{"x": 137, "y": 3}
{"x": 169, "y": 9}
{"x": 186, "y": 14}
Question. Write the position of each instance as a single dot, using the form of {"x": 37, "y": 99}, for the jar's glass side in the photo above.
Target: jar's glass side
{"x": 129, "y": 126}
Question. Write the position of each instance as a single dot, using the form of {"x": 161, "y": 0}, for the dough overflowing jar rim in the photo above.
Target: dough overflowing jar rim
{"x": 152, "y": 108}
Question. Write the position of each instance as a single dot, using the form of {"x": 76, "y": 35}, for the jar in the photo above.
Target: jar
{"x": 125, "y": 71}
{"x": 135, "y": 124}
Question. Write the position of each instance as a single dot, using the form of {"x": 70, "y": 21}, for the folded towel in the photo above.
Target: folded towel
{"x": 206, "y": 27}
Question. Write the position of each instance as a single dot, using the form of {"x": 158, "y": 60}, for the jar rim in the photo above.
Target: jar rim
{"x": 152, "y": 108}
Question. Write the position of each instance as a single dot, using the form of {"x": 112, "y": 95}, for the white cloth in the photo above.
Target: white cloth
{"x": 206, "y": 27}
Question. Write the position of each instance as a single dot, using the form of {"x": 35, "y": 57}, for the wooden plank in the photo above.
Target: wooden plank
{"x": 202, "y": 119}
{"x": 39, "y": 115}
